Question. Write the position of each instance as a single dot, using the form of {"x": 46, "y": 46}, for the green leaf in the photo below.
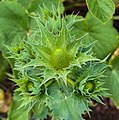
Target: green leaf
{"x": 13, "y": 21}
{"x": 104, "y": 35}
{"x": 40, "y": 111}
{"x": 34, "y": 4}
{"x": 83, "y": 58}
{"x": 25, "y": 3}
{"x": 16, "y": 113}
{"x": 66, "y": 106}
{"x": 112, "y": 81}
{"x": 101, "y": 9}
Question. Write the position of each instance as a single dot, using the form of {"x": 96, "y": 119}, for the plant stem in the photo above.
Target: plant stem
{"x": 71, "y": 81}
{"x": 115, "y": 17}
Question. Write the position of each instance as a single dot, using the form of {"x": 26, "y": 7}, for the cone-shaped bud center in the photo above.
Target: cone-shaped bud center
{"x": 60, "y": 59}
{"x": 90, "y": 86}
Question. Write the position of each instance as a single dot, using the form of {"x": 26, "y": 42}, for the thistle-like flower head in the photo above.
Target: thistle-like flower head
{"x": 54, "y": 63}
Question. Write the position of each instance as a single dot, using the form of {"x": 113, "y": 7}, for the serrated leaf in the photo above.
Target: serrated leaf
{"x": 40, "y": 111}
{"x": 83, "y": 58}
{"x": 48, "y": 75}
{"x": 64, "y": 106}
{"x": 15, "y": 113}
{"x": 104, "y": 35}
{"x": 101, "y": 9}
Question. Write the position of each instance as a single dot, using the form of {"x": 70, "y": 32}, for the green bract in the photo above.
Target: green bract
{"x": 55, "y": 70}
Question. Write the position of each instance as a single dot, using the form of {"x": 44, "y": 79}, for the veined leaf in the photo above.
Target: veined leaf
{"x": 68, "y": 108}
{"x": 40, "y": 110}
{"x": 104, "y": 35}
{"x": 13, "y": 21}
{"x": 101, "y": 9}
{"x": 112, "y": 81}
{"x": 16, "y": 113}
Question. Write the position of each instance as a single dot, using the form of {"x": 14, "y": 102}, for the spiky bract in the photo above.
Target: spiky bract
{"x": 56, "y": 68}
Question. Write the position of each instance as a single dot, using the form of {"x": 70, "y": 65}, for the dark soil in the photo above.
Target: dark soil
{"x": 103, "y": 112}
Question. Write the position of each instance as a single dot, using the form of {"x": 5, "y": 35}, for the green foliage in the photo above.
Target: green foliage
{"x": 16, "y": 16}
{"x": 101, "y": 9}
{"x": 17, "y": 113}
{"x": 57, "y": 58}
{"x": 14, "y": 21}
{"x": 25, "y": 3}
{"x": 104, "y": 35}
{"x": 112, "y": 80}
{"x": 33, "y": 5}
{"x": 72, "y": 106}
{"x": 54, "y": 68}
